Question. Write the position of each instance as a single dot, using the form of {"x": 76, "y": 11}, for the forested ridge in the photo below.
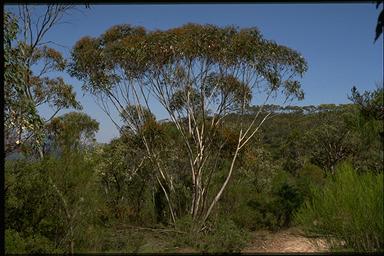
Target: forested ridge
{"x": 214, "y": 172}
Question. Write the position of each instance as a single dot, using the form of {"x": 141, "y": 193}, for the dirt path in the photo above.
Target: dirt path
{"x": 284, "y": 241}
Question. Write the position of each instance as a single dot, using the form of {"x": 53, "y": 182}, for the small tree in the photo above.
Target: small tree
{"x": 199, "y": 74}
{"x": 58, "y": 194}
{"x": 72, "y": 176}
{"x": 72, "y": 131}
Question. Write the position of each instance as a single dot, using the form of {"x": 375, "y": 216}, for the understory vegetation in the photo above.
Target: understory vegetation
{"x": 348, "y": 208}
{"x": 112, "y": 206}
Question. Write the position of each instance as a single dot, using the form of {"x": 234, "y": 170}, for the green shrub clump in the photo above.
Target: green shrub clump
{"x": 226, "y": 237}
{"x": 349, "y": 209}
{"x": 222, "y": 236}
{"x": 37, "y": 243}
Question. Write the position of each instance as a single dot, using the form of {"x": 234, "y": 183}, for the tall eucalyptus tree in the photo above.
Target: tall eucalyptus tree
{"x": 199, "y": 74}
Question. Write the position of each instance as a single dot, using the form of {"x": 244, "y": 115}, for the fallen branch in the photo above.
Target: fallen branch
{"x": 155, "y": 229}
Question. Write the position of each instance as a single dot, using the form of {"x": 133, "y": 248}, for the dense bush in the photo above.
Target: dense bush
{"x": 50, "y": 203}
{"x": 270, "y": 207}
{"x": 309, "y": 175}
{"x": 33, "y": 243}
{"x": 31, "y": 220}
{"x": 222, "y": 236}
{"x": 111, "y": 190}
{"x": 225, "y": 237}
{"x": 349, "y": 208}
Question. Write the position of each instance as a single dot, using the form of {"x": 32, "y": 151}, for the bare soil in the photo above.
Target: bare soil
{"x": 290, "y": 240}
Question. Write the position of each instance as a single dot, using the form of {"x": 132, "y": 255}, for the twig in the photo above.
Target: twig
{"x": 155, "y": 229}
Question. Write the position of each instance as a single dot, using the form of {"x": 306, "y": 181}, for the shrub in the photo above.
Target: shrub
{"x": 245, "y": 216}
{"x": 30, "y": 206}
{"x": 222, "y": 236}
{"x": 14, "y": 243}
{"x": 276, "y": 207}
{"x": 310, "y": 175}
{"x": 188, "y": 238}
{"x": 35, "y": 192}
{"x": 237, "y": 204}
{"x": 287, "y": 201}
{"x": 270, "y": 208}
{"x": 36, "y": 243}
{"x": 349, "y": 208}
{"x": 225, "y": 237}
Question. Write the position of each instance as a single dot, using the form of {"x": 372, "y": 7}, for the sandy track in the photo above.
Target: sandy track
{"x": 284, "y": 241}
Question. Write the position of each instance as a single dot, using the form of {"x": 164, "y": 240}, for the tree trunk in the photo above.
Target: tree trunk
{"x": 218, "y": 195}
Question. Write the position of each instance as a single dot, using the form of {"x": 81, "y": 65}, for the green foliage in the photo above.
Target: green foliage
{"x": 50, "y": 202}
{"x": 119, "y": 188}
{"x": 14, "y": 243}
{"x": 32, "y": 244}
{"x": 323, "y": 135}
{"x": 280, "y": 203}
{"x": 369, "y": 127}
{"x": 28, "y": 82}
{"x": 235, "y": 205}
{"x": 310, "y": 176}
{"x": 370, "y": 103}
{"x": 331, "y": 144}
{"x": 147, "y": 55}
{"x": 29, "y": 202}
{"x": 135, "y": 117}
{"x": 349, "y": 208}
{"x": 188, "y": 236}
{"x": 71, "y": 131}
{"x": 287, "y": 201}
{"x": 253, "y": 206}
{"x": 20, "y": 114}
{"x": 223, "y": 236}
{"x": 126, "y": 181}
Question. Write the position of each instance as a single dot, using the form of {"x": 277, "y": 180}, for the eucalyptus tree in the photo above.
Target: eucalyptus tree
{"x": 72, "y": 131}
{"x": 199, "y": 74}
{"x": 31, "y": 65}
{"x": 15, "y": 100}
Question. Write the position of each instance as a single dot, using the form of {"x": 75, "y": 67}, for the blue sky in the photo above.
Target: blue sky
{"x": 335, "y": 39}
